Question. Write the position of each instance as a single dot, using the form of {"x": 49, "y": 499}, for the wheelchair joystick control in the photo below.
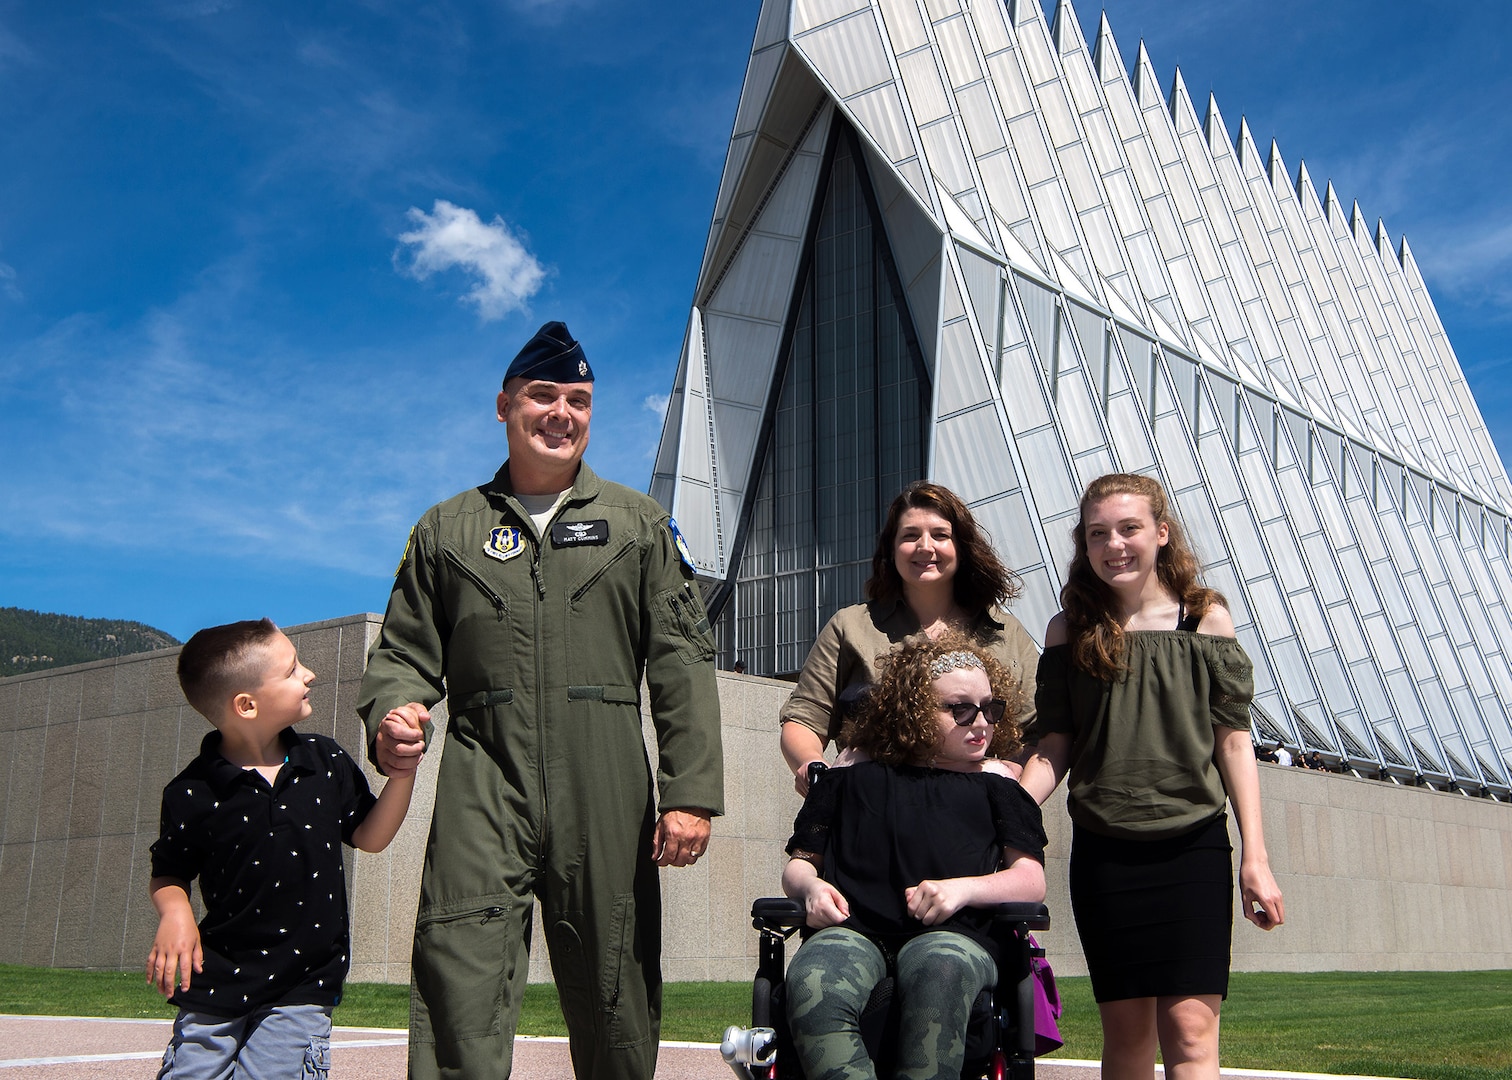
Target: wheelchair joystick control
{"x": 751, "y": 1052}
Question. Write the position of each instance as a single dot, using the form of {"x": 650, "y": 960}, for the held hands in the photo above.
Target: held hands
{"x": 681, "y": 837}
{"x": 175, "y": 953}
{"x": 932, "y": 902}
{"x": 401, "y": 739}
{"x": 1260, "y": 895}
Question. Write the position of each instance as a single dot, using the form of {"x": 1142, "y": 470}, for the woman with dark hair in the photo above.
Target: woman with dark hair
{"x": 934, "y": 570}
{"x": 898, "y": 855}
{"x": 1144, "y": 694}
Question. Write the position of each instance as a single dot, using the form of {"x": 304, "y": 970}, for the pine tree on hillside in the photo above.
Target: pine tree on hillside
{"x": 34, "y": 640}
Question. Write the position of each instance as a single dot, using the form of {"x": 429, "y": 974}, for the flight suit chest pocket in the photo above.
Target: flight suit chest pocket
{"x": 469, "y": 586}
{"x": 475, "y": 603}
{"x": 595, "y": 579}
{"x": 680, "y": 614}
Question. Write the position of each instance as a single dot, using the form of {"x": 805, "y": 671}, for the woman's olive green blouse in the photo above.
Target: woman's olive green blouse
{"x": 1141, "y": 762}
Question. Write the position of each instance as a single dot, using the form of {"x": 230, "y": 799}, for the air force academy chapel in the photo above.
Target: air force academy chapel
{"x": 953, "y": 240}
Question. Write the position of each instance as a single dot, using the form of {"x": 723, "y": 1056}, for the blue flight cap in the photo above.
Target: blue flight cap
{"x": 553, "y": 355}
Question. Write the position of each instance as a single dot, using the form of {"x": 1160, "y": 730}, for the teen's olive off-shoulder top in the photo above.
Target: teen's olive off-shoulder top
{"x": 1141, "y": 762}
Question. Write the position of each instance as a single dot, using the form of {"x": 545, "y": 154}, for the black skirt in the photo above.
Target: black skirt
{"x": 1156, "y": 917}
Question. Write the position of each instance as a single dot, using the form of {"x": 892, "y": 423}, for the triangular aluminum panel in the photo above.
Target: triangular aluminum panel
{"x": 993, "y": 32}
{"x": 808, "y": 14}
{"x": 905, "y": 26}
{"x": 794, "y": 110}
{"x": 772, "y": 23}
{"x": 1105, "y": 59}
{"x": 739, "y": 430}
{"x": 915, "y": 241}
{"x": 960, "y": 222}
{"x": 954, "y": 301}
{"x": 695, "y": 505}
{"x": 972, "y": 456}
{"x": 963, "y": 380}
{"x": 1146, "y": 88}
{"x": 848, "y": 56}
{"x": 746, "y": 350}
{"x": 982, "y": 281}
{"x": 1064, "y": 31}
{"x": 761, "y": 74}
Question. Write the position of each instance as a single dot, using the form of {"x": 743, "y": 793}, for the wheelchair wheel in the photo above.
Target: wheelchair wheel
{"x": 997, "y": 1069}
{"x": 761, "y": 1003}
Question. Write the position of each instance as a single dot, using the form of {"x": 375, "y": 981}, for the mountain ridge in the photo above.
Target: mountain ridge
{"x": 37, "y": 640}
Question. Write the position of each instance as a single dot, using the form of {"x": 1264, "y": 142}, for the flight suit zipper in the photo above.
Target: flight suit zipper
{"x": 483, "y": 915}
{"x": 540, "y": 688}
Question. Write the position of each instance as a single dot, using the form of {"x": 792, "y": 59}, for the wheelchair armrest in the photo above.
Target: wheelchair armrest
{"x": 776, "y": 912}
{"x": 1023, "y": 916}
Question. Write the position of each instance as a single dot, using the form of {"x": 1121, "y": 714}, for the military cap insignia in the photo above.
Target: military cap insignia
{"x": 683, "y": 551}
{"x": 504, "y": 543}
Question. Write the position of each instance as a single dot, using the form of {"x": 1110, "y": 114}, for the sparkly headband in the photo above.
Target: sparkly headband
{"x": 950, "y": 661}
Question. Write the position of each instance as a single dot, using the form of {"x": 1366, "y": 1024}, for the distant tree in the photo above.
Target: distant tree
{"x": 33, "y": 640}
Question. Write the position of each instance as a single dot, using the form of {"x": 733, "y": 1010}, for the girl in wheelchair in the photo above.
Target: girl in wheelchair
{"x": 896, "y": 860}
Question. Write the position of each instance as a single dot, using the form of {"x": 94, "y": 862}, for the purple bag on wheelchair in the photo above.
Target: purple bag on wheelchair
{"x": 1047, "y": 1006}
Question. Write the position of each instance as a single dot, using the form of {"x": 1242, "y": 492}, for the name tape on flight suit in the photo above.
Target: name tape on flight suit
{"x": 576, "y": 533}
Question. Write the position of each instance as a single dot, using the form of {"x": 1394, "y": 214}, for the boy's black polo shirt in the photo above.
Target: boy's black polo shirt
{"x": 269, "y": 864}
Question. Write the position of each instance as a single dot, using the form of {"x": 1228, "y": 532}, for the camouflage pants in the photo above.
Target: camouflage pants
{"x": 939, "y": 975}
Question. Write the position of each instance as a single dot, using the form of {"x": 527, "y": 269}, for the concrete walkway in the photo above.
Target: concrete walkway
{"x": 74, "y": 1048}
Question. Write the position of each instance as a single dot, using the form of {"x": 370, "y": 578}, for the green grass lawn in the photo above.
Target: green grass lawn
{"x": 1433, "y": 1025}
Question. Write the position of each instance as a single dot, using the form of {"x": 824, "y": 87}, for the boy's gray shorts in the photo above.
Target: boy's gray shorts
{"x": 277, "y": 1043}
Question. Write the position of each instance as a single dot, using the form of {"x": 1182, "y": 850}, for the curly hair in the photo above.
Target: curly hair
{"x": 1092, "y": 627}
{"x": 981, "y": 579}
{"x": 898, "y": 722}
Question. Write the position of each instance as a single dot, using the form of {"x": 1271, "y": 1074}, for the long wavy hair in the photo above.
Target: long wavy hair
{"x": 981, "y": 579}
{"x": 1092, "y": 627}
{"x": 898, "y": 722}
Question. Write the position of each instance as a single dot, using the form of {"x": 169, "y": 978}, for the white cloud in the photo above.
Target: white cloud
{"x": 1470, "y": 261}
{"x": 657, "y": 403}
{"x": 8, "y": 287}
{"x": 455, "y": 237}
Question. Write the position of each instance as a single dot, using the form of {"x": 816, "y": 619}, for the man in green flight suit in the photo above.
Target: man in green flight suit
{"x": 535, "y": 603}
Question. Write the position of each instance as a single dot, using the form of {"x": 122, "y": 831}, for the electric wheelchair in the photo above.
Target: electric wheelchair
{"x": 1000, "y": 1040}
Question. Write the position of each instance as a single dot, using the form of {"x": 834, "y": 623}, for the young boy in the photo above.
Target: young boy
{"x": 259, "y": 817}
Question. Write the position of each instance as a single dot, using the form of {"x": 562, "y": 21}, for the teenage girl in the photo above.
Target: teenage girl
{"x": 1143, "y": 697}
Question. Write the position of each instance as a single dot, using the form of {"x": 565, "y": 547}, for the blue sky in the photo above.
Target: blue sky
{"x": 262, "y": 265}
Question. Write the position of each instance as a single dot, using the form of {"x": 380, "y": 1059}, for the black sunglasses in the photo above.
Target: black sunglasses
{"x": 965, "y": 713}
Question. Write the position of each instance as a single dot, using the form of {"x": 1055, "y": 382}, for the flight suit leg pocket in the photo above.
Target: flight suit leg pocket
{"x": 624, "y": 985}
{"x": 459, "y": 965}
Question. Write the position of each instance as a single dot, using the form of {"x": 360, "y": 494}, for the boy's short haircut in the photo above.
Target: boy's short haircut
{"x": 219, "y": 662}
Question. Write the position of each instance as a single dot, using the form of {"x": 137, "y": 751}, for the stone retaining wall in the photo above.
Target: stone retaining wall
{"x": 1376, "y": 876}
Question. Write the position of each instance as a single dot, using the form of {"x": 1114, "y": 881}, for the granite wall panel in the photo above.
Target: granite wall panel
{"x": 1376, "y": 876}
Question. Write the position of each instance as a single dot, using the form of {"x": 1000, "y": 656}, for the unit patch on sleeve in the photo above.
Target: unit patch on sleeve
{"x": 409, "y": 542}
{"x": 577, "y": 533}
{"x": 504, "y": 543}
{"x": 683, "y": 551}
